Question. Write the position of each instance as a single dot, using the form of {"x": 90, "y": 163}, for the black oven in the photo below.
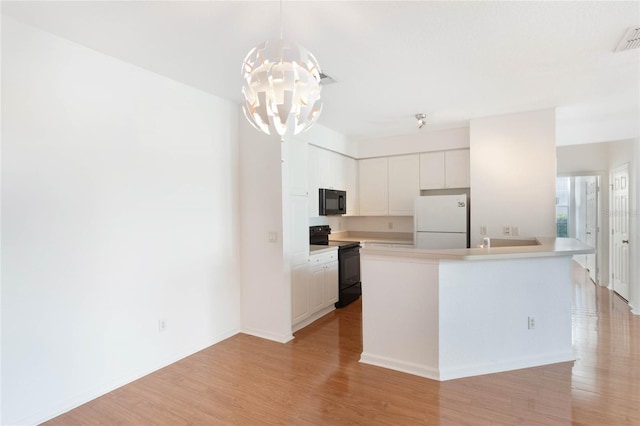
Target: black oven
{"x": 349, "y": 272}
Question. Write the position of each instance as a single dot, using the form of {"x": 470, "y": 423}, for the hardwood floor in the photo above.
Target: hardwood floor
{"x": 317, "y": 380}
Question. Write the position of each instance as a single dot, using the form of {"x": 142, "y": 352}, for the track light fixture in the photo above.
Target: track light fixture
{"x": 422, "y": 119}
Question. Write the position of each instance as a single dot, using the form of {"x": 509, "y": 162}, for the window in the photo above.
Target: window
{"x": 563, "y": 200}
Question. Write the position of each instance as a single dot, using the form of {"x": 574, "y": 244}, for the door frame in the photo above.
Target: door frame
{"x": 601, "y": 262}
{"x": 612, "y": 216}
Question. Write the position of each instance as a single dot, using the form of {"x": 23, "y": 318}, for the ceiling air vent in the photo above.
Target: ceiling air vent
{"x": 631, "y": 40}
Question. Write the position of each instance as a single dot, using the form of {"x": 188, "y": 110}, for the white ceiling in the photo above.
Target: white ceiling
{"x": 455, "y": 61}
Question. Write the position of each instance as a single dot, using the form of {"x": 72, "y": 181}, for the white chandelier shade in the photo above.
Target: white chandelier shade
{"x": 281, "y": 88}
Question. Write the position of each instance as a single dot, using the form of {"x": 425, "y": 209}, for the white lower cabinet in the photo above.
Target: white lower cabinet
{"x": 299, "y": 293}
{"x": 314, "y": 289}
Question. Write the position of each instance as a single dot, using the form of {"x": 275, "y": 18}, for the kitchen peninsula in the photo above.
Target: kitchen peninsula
{"x": 446, "y": 314}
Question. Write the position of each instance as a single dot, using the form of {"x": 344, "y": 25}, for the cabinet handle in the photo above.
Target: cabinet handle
{"x": 625, "y": 241}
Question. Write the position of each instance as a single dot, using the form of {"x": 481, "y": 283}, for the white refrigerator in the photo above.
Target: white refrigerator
{"x": 440, "y": 221}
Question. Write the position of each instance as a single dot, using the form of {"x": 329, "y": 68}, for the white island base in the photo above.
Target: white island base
{"x": 445, "y": 316}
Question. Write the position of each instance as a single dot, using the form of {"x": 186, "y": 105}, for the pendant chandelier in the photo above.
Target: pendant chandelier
{"x": 281, "y": 87}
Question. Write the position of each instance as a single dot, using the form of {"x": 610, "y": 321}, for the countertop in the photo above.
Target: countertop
{"x": 548, "y": 247}
{"x": 374, "y": 237}
{"x": 317, "y": 249}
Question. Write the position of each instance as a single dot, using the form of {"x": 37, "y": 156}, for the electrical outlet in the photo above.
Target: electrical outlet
{"x": 531, "y": 323}
{"x": 273, "y": 237}
{"x": 162, "y": 325}
{"x": 390, "y": 225}
{"x": 483, "y": 229}
{"x": 506, "y": 230}
{"x": 515, "y": 230}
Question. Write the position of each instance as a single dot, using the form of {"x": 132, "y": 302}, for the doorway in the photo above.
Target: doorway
{"x": 577, "y": 207}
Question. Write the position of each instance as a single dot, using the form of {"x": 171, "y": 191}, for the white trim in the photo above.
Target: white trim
{"x": 268, "y": 335}
{"x": 403, "y": 366}
{"x": 467, "y": 370}
{"x": 97, "y": 391}
{"x": 312, "y": 318}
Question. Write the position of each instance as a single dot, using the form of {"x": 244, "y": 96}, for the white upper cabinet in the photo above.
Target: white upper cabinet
{"x": 448, "y": 169}
{"x": 296, "y": 157}
{"x": 404, "y": 176}
{"x": 327, "y": 169}
{"x": 350, "y": 167}
{"x": 456, "y": 169}
{"x": 432, "y": 170}
{"x": 373, "y": 185}
{"x": 313, "y": 179}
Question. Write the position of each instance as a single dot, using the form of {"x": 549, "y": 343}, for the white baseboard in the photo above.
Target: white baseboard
{"x": 502, "y": 366}
{"x": 403, "y": 366}
{"x": 268, "y": 335}
{"x": 312, "y": 318}
{"x": 443, "y": 374}
{"x": 95, "y": 392}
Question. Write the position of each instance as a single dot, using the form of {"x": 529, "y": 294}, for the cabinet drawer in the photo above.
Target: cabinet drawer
{"x": 321, "y": 258}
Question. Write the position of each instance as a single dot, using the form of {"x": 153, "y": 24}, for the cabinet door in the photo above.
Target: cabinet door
{"x": 299, "y": 293}
{"x": 350, "y": 167}
{"x": 313, "y": 182}
{"x": 296, "y": 160}
{"x": 316, "y": 288}
{"x": 457, "y": 169}
{"x": 432, "y": 170}
{"x": 404, "y": 184}
{"x": 374, "y": 196}
{"x": 327, "y": 169}
{"x": 331, "y": 282}
{"x": 299, "y": 232}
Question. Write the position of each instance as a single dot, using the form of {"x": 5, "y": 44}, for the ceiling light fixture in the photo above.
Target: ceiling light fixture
{"x": 281, "y": 87}
{"x": 422, "y": 120}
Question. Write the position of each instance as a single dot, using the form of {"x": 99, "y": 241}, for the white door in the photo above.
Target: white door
{"x": 591, "y": 224}
{"x": 620, "y": 230}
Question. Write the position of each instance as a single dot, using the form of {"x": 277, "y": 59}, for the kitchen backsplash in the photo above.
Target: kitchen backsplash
{"x": 365, "y": 223}
{"x": 380, "y": 223}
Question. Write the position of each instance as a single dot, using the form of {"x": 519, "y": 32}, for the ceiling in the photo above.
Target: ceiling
{"x": 454, "y": 61}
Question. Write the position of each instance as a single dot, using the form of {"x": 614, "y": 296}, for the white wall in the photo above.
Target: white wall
{"x": 513, "y": 174}
{"x": 423, "y": 141}
{"x": 635, "y": 230}
{"x": 324, "y": 137}
{"x": 582, "y": 159}
{"x": 119, "y": 209}
{"x": 266, "y": 283}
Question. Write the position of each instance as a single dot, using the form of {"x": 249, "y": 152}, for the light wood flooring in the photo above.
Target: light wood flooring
{"x": 317, "y": 380}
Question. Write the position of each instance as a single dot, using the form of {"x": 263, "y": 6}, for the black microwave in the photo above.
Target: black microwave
{"x": 332, "y": 202}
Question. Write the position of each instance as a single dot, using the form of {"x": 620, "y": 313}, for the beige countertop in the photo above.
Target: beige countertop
{"x": 374, "y": 237}
{"x": 317, "y": 249}
{"x": 548, "y": 247}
